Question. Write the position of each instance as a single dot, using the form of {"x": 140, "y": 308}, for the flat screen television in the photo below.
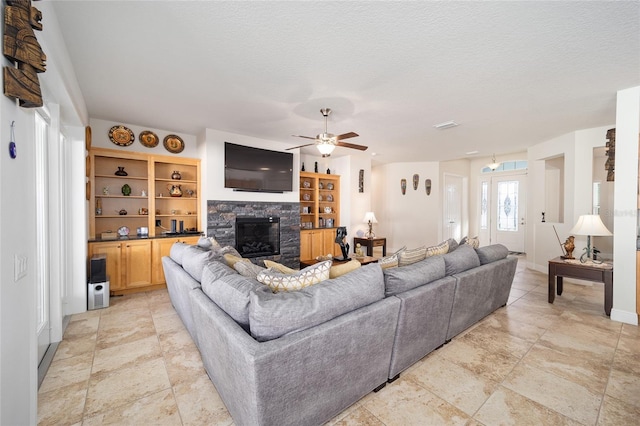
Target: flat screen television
{"x": 257, "y": 170}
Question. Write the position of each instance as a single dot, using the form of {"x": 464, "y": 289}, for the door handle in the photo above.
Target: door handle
{"x": 522, "y": 221}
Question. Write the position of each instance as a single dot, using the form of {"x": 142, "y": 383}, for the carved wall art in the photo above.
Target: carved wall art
{"x": 21, "y": 46}
{"x": 609, "y": 165}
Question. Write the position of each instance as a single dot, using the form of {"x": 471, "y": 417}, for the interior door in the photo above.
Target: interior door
{"x": 508, "y": 211}
{"x": 452, "y": 217}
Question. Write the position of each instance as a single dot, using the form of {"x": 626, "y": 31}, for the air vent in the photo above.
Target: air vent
{"x": 446, "y": 125}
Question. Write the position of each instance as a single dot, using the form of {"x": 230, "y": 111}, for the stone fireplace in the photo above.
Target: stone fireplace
{"x": 223, "y": 218}
{"x": 258, "y": 236}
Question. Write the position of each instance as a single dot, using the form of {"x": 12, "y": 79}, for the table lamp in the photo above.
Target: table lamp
{"x": 370, "y": 219}
{"x": 590, "y": 225}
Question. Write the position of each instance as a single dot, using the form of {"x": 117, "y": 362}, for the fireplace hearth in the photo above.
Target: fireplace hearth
{"x": 258, "y": 236}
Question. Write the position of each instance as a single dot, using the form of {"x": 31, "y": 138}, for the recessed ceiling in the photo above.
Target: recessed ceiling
{"x": 512, "y": 74}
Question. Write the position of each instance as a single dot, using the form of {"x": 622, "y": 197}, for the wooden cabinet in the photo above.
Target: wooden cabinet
{"x": 133, "y": 190}
{"x": 139, "y": 195}
{"x": 318, "y": 242}
{"x": 128, "y": 263}
{"x": 319, "y": 214}
{"x": 161, "y": 247}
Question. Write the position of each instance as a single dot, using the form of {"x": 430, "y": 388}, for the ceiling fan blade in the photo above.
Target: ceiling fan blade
{"x": 352, "y": 145}
{"x": 306, "y": 137}
{"x": 347, "y": 135}
{"x": 301, "y": 146}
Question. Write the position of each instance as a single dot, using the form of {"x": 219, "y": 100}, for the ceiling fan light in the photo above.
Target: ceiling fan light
{"x": 325, "y": 148}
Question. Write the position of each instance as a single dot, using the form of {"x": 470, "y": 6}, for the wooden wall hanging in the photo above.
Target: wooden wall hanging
{"x": 609, "y": 165}
{"x": 21, "y": 46}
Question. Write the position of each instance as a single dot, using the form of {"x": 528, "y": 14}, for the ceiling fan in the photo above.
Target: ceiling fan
{"x": 326, "y": 142}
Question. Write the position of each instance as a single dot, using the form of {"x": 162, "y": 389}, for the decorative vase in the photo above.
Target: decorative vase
{"x": 126, "y": 190}
{"x": 121, "y": 172}
{"x": 174, "y": 190}
{"x": 176, "y": 175}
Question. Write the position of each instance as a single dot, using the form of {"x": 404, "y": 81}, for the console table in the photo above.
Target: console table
{"x": 370, "y": 243}
{"x": 559, "y": 268}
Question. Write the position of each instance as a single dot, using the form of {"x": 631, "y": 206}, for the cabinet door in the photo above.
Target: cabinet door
{"x": 329, "y": 244}
{"x": 305, "y": 245}
{"x": 114, "y": 262}
{"x": 137, "y": 263}
{"x": 317, "y": 244}
{"x": 159, "y": 249}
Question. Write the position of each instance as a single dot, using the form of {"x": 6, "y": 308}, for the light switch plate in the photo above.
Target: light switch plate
{"x": 19, "y": 266}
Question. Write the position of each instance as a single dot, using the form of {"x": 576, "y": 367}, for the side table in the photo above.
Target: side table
{"x": 559, "y": 268}
{"x": 370, "y": 243}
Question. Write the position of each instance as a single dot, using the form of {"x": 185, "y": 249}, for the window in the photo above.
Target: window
{"x": 508, "y": 166}
{"x": 484, "y": 204}
{"x": 508, "y": 206}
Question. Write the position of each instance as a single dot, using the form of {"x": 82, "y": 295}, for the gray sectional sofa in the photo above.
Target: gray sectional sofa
{"x": 300, "y": 358}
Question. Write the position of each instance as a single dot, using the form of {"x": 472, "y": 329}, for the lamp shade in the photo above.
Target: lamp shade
{"x": 590, "y": 224}
{"x": 369, "y": 217}
{"x": 325, "y": 148}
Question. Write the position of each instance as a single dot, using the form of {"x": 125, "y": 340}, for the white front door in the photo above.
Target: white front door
{"x": 452, "y": 215}
{"x": 508, "y": 211}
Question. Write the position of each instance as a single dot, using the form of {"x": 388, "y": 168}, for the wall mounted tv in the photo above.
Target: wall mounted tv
{"x": 257, "y": 170}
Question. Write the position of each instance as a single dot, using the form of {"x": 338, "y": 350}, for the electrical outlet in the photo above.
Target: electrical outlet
{"x": 19, "y": 267}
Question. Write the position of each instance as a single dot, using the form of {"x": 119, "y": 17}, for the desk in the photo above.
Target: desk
{"x": 558, "y": 269}
{"x": 370, "y": 243}
{"x": 363, "y": 261}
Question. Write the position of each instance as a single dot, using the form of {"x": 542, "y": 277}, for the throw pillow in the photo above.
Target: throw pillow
{"x": 453, "y": 244}
{"x": 473, "y": 242}
{"x": 492, "y": 253}
{"x": 279, "y": 267}
{"x": 463, "y": 259}
{"x": 208, "y": 243}
{"x": 441, "y": 248}
{"x": 343, "y": 268}
{"x": 304, "y": 278}
{"x": 248, "y": 269}
{"x": 391, "y": 261}
{"x": 231, "y": 259}
{"x": 194, "y": 260}
{"x": 409, "y": 256}
{"x": 176, "y": 253}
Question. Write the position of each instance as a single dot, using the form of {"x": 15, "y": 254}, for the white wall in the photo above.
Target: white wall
{"x": 412, "y": 219}
{"x": 625, "y": 204}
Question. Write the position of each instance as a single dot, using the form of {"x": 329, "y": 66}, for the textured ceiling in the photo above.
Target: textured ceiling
{"x": 512, "y": 74}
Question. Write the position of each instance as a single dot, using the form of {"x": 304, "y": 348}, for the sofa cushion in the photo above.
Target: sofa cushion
{"x": 338, "y": 270}
{"x": 488, "y": 254}
{"x": 272, "y": 315}
{"x": 453, "y": 244}
{"x": 229, "y": 290}
{"x": 409, "y": 256}
{"x": 248, "y": 269}
{"x": 176, "y": 253}
{"x": 306, "y": 277}
{"x": 194, "y": 260}
{"x": 441, "y": 248}
{"x": 398, "y": 280}
{"x": 278, "y": 267}
{"x": 462, "y": 259}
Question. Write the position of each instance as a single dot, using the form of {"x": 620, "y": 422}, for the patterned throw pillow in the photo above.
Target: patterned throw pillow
{"x": 248, "y": 269}
{"x": 343, "y": 268}
{"x": 208, "y": 243}
{"x": 279, "y": 267}
{"x": 391, "y": 261}
{"x": 301, "y": 279}
{"x": 473, "y": 242}
{"x": 441, "y": 248}
{"x": 409, "y": 256}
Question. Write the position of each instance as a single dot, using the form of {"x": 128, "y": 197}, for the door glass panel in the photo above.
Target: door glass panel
{"x": 508, "y": 206}
{"x": 484, "y": 204}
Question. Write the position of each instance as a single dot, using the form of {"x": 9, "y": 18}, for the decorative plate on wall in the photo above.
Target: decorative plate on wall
{"x": 148, "y": 139}
{"x": 121, "y": 135}
{"x": 173, "y": 143}
{"x": 87, "y": 138}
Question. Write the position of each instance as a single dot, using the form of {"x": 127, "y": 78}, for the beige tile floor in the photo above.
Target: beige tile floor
{"x": 530, "y": 363}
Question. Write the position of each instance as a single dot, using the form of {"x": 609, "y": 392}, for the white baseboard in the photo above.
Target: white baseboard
{"x": 624, "y": 316}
